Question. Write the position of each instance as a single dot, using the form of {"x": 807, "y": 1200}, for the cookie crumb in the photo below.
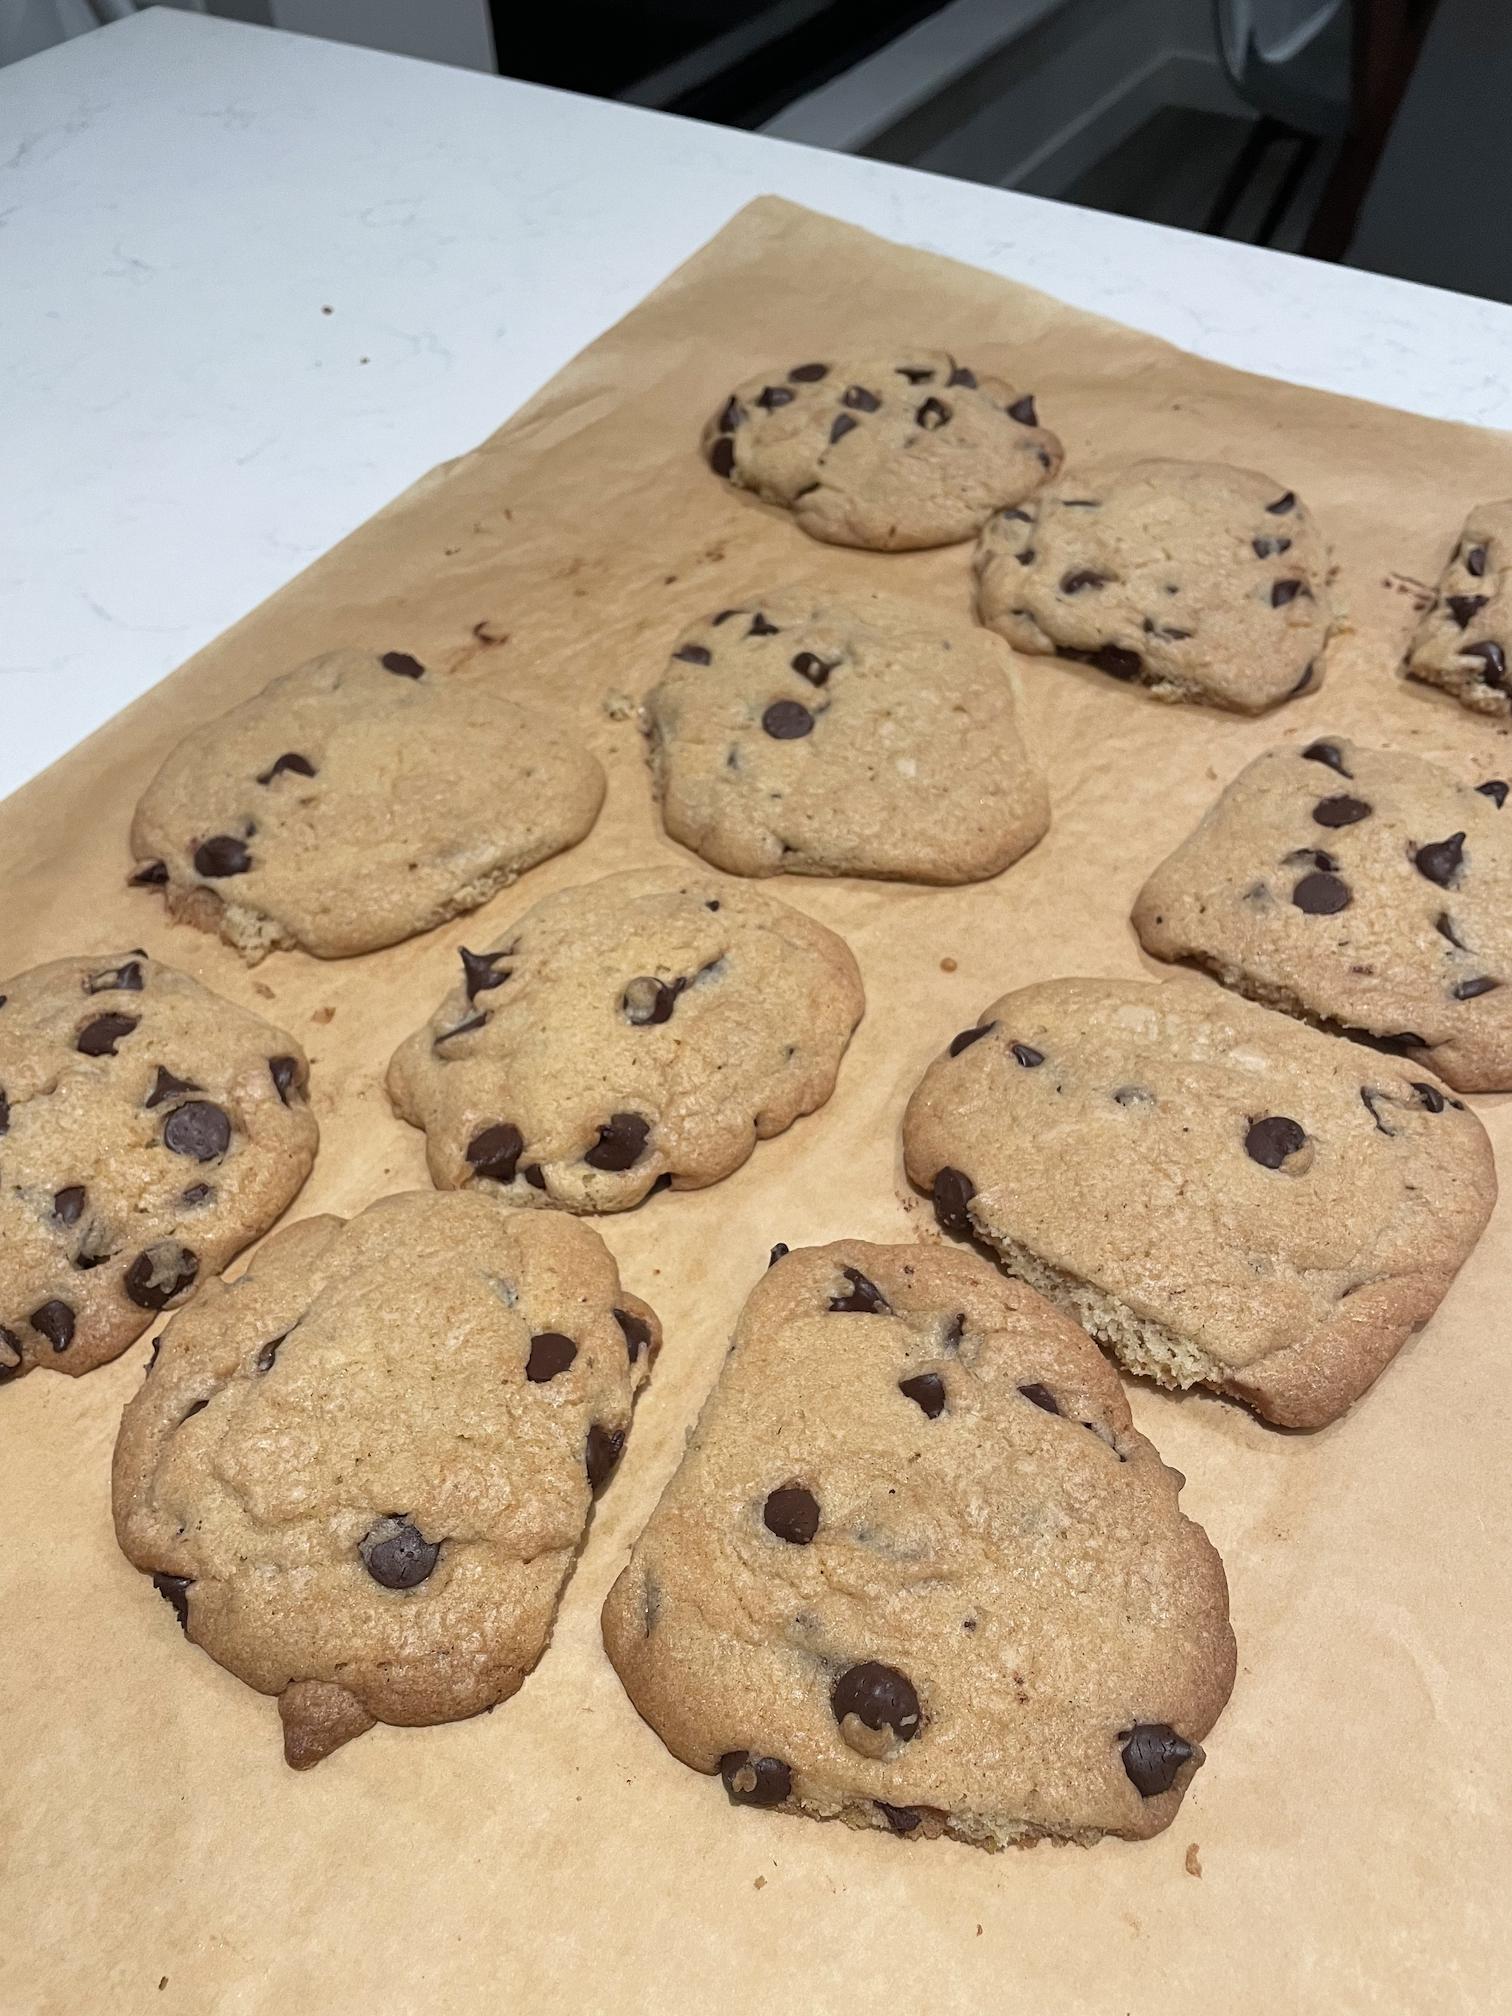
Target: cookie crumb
{"x": 759, "y": 1884}
{"x": 162, "y": 1984}
{"x": 323, "y": 1015}
{"x": 617, "y": 705}
{"x": 947, "y": 965}
{"x": 1193, "y": 1860}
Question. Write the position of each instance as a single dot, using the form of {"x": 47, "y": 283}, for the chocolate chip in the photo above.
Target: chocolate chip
{"x": 792, "y": 1513}
{"x": 535, "y": 1176}
{"x": 1469, "y": 990}
{"x": 1304, "y": 682}
{"x": 1445, "y": 927}
{"x": 1152, "y": 1755}
{"x": 731, "y": 415}
{"x": 195, "y": 1407}
{"x": 1113, "y": 659}
{"x": 161, "y": 1272}
{"x": 464, "y": 1028}
{"x": 1012, "y": 511}
{"x": 915, "y": 374}
{"x": 198, "y": 1129}
{"x": 1271, "y": 1140}
{"x": 68, "y": 1205}
{"x": 550, "y": 1353}
{"x": 10, "y": 1354}
{"x": 773, "y": 396}
{"x": 841, "y": 426}
{"x": 54, "y": 1321}
{"x": 694, "y": 654}
{"x": 494, "y": 1151}
{"x": 1321, "y": 895}
{"x": 602, "y": 1452}
{"x": 969, "y": 1036}
{"x": 814, "y": 669}
{"x": 284, "y": 1071}
{"x": 1041, "y": 1396}
{"x": 1027, "y": 1055}
{"x": 951, "y": 1193}
{"x": 1025, "y": 559}
{"x": 860, "y": 399}
{"x": 151, "y": 875}
{"x": 722, "y": 455}
{"x": 901, "y": 1819}
{"x": 222, "y": 854}
{"x": 1463, "y": 607}
{"x": 1495, "y": 789}
{"x": 396, "y": 1554}
{"x": 787, "y": 721}
{"x": 267, "y": 1357}
{"x": 1023, "y": 411}
{"x": 637, "y": 1332}
{"x": 1368, "y": 1098}
{"x": 962, "y": 374}
{"x": 760, "y": 627}
{"x": 1341, "y": 811}
{"x": 123, "y": 979}
{"x": 1475, "y": 561}
{"x": 167, "y": 1086}
{"x": 755, "y": 1781}
{"x": 779, "y": 1252}
{"x": 1440, "y": 860}
{"x": 865, "y": 1297}
{"x": 647, "y": 1000}
{"x": 100, "y": 1037}
{"x": 1314, "y": 857}
{"x": 1329, "y": 753}
{"x": 401, "y": 663}
{"x": 1283, "y": 592}
{"x": 1430, "y": 1095}
{"x": 808, "y": 374}
{"x": 480, "y": 971}
{"x": 1284, "y": 503}
{"x": 1081, "y": 578}
{"x": 291, "y": 760}
{"x": 1270, "y": 549}
{"x": 933, "y": 415}
{"x": 879, "y": 1697}
{"x": 174, "y": 1590}
{"x": 4, "y": 1112}
{"x": 1493, "y": 657}
{"x": 197, "y": 1193}
{"x": 621, "y": 1142}
{"x": 927, "y": 1391}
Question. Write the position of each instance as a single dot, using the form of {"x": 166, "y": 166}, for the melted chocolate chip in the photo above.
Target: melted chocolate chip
{"x": 464, "y": 1028}
{"x": 779, "y": 1252}
{"x": 773, "y": 396}
{"x": 1271, "y": 1140}
{"x": 862, "y": 401}
{"x": 901, "y": 1819}
{"x": 396, "y": 1554}
{"x": 55, "y": 1321}
{"x": 787, "y": 721}
{"x": 1312, "y": 857}
{"x": 915, "y": 374}
{"x": 494, "y": 1151}
{"x": 151, "y": 875}
{"x": 647, "y": 1000}
{"x": 222, "y": 854}
{"x": 291, "y": 760}
{"x": 722, "y": 455}
{"x": 1475, "y": 561}
{"x": 167, "y": 1086}
{"x": 100, "y": 1037}
{"x": 123, "y": 979}
{"x": 1429, "y": 1095}
{"x": 1152, "y": 1755}
{"x": 621, "y": 1142}
{"x": 951, "y": 1193}
{"x": 1470, "y": 990}
{"x": 198, "y": 1129}
{"x": 1463, "y": 607}
{"x": 1440, "y": 860}
{"x": 933, "y": 415}
{"x": 927, "y": 1391}
{"x": 174, "y": 1590}
{"x": 814, "y": 669}
{"x": 1083, "y": 578}
{"x": 792, "y": 1513}
{"x": 1114, "y": 659}
{"x": 879, "y": 1697}
{"x": 1283, "y": 592}
{"x": 159, "y": 1273}
{"x": 1494, "y": 788}
{"x": 550, "y": 1353}
{"x": 68, "y": 1205}
{"x": 694, "y": 654}
{"x": 731, "y": 415}
{"x": 1026, "y": 1055}
{"x": 969, "y": 1036}
{"x": 755, "y": 1781}
{"x": 1341, "y": 811}
{"x": 480, "y": 972}
{"x": 402, "y": 665}
{"x": 1285, "y": 502}
{"x": 1041, "y": 1396}
{"x": 284, "y": 1071}
{"x": 637, "y": 1333}
{"x": 1329, "y": 753}
{"x": 601, "y": 1453}
{"x": 808, "y": 374}
{"x": 1445, "y": 927}
{"x": 841, "y": 426}
{"x": 1321, "y": 895}
{"x": 1493, "y": 658}
{"x": 864, "y": 1299}
{"x": 1023, "y": 411}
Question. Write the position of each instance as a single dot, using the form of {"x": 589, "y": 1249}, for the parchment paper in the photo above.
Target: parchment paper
{"x": 1351, "y": 1827}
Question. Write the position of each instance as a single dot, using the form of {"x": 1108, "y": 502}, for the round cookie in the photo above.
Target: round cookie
{"x": 361, "y": 1473}
{"x": 918, "y": 1571}
{"x": 1221, "y": 1196}
{"x": 636, "y": 1031}
{"x": 356, "y": 801}
{"x": 1193, "y": 579}
{"x": 890, "y": 453}
{"x": 148, "y": 1131}
{"x": 1464, "y": 642}
{"x": 818, "y": 738}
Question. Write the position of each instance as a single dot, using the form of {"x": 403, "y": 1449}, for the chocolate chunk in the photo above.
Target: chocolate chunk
{"x": 480, "y": 971}
{"x": 862, "y": 401}
{"x": 1270, "y": 549}
{"x": 779, "y": 1252}
{"x": 722, "y": 455}
{"x": 161, "y": 1272}
{"x": 787, "y": 721}
{"x": 1026, "y": 1055}
{"x": 1152, "y": 1755}
{"x": 1283, "y": 592}
{"x": 760, "y": 627}
{"x": 901, "y": 1819}
{"x": 962, "y": 374}
{"x": 100, "y": 1037}
{"x": 915, "y": 374}
{"x": 396, "y": 1554}
{"x": 401, "y": 664}
{"x": 621, "y": 1142}
{"x": 1041, "y": 1396}
{"x": 602, "y": 1452}
{"x": 151, "y": 875}
{"x": 933, "y": 415}
{"x": 54, "y": 1321}
{"x": 1429, "y": 1095}
{"x": 284, "y": 1071}
{"x": 1023, "y": 411}
{"x": 792, "y": 1513}
{"x": 550, "y": 1353}
{"x": 808, "y": 374}
{"x": 773, "y": 396}
{"x": 1493, "y": 657}
{"x": 222, "y": 854}
{"x": 1081, "y": 578}
{"x": 927, "y": 1391}
{"x": 755, "y": 1781}
{"x": 1440, "y": 860}
{"x": 1463, "y": 607}
{"x": 1329, "y": 753}
{"x": 174, "y": 1590}
{"x": 841, "y": 426}
{"x": 267, "y": 1357}
{"x": 1469, "y": 990}
{"x": 68, "y": 1205}
{"x": 1494, "y": 788}
{"x": 647, "y": 1000}
{"x": 814, "y": 669}
{"x": 1321, "y": 895}
{"x": 167, "y": 1086}
{"x": 637, "y": 1333}
{"x": 1285, "y": 502}
{"x": 1271, "y": 1140}
{"x": 879, "y": 1697}
{"x": 951, "y": 1193}
{"x": 694, "y": 654}
{"x": 865, "y": 1297}
{"x": 1475, "y": 561}
{"x": 1114, "y": 659}
{"x": 198, "y": 1129}
{"x": 123, "y": 979}
{"x": 1341, "y": 811}
{"x": 291, "y": 760}
{"x": 731, "y": 415}
{"x": 969, "y": 1036}
{"x": 494, "y": 1151}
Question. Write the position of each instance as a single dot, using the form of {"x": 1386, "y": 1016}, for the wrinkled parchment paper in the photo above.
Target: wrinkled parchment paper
{"x": 1346, "y": 1846}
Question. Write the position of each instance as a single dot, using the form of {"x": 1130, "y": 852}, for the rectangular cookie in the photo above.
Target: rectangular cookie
{"x": 1464, "y": 642}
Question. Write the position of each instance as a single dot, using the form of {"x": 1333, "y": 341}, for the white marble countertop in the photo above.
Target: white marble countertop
{"x": 252, "y": 285}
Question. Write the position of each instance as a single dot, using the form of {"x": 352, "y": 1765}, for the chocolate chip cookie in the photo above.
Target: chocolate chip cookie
{"x": 356, "y": 801}
{"x": 642, "y": 1030}
{"x": 917, "y": 1571}
{"x": 1192, "y": 579}
{"x": 1221, "y": 1196}
{"x": 891, "y": 453}
{"x": 148, "y": 1131}
{"x": 361, "y": 1472}
{"x": 818, "y": 738}
{"x": 1358, "y": 888}
{"x": 1464, "y": 642}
